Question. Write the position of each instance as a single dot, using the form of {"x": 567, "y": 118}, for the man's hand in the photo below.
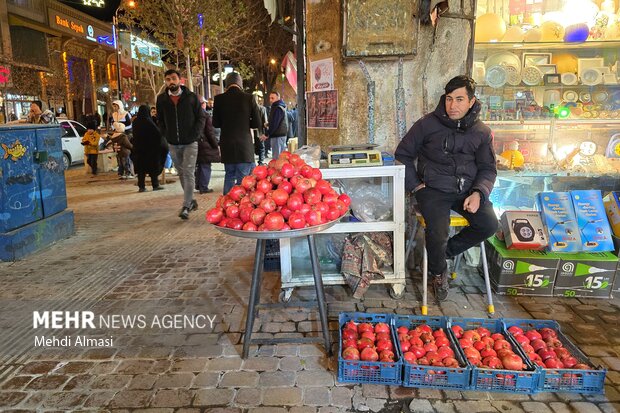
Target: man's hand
{"x": 263, "y": 138}
{"x": 472, "y": 202}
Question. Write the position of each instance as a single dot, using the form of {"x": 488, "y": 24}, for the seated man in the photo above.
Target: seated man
{"x": 455, "y": 170}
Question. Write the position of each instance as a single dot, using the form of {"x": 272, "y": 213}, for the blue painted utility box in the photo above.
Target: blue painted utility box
{"x": 33, "y": 197}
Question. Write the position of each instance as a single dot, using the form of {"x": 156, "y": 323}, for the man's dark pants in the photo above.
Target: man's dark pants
{"x": 435, "y": 207}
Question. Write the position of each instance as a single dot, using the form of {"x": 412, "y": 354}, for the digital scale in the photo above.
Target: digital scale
{"x": 346, "y": 156}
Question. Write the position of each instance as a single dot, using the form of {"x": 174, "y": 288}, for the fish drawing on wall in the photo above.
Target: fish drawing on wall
{"x": 15, "y": 151}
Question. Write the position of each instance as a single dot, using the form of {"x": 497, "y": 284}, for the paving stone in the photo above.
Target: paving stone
{"x": 302, "y": 409}
{"x": 63, "y": 400}
{"x": 559, "y": 407}
{"x": 609, "y": 407}
{"x": 290, "y": 396}
{"x": 375, "y": 390}
{"x": 78, "y": 382}
{"x": 143, "y": 381}
{"x": 316, "y": 396}
{"x": 277, "y": 379}
{"x": 134, "y": 366}
{"x": 313, "y": 350}
{"x": 202, "y": 380}
{"x": 248, "y": 397}
{"x": 239, "y": 379}
{"x": 585, "y": 407}
{"x": 536, "y": 407}
{"x": 612, "y": 362}
{"x": 429, "y": 394}
{"x": 267, "y": 410}
{"x": 341, "y": 396}
{"x": 193, "y": 365}
{"x": 290, "y": 363}
{"x": 17, "y": 383}
{"x": 224, "y": 364}
{"x": 544, "y": 397}
{"x": 421, "y": 406}
{"x": 38, "y": 367}
{"x": 330, "y": 409}
{"x": 111, "y": 381}
{"x": 47, "y": 382}
{"x": 213, "y": 397}
{"x": 174, "y": 380}
{"x": 478, "y": 406}
{"x": 75, "y": 367}
{"x": 286, "y": 350}
{"x": 444, "y": 406}
{"x": 99, "y": 399}
{"x": 315, "y": 378}
{"x": 11, "y": 398}
{"x": 314, "y": 362}
{"x": 212, "y": 410}
{"x": 172, "y": 398}
{"x": 131, "y": 398}
{"x": 261, "y": 364}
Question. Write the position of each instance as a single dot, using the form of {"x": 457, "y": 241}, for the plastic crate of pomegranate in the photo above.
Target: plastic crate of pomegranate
{"x": 497, "y": 363}
{"x": 563, "y": 366}
{"x": 367, "y": 350}
{"x": 430, "y": 358}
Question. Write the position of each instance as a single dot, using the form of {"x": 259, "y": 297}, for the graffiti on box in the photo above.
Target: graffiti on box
{"x": 15, "y": 151}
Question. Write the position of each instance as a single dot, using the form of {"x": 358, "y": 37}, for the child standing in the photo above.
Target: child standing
{"x": 122, "y": 146}
{"x": 91, "y": 145}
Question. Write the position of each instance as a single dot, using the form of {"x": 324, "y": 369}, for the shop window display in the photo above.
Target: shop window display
{"x": 548, "y": 75}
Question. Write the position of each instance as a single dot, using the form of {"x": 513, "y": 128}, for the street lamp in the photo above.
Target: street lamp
{"x": 131, "y": 4}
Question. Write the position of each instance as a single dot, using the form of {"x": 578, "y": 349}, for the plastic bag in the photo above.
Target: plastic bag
{"x": 310, "y": 154}
{"x": 368, "y": 202}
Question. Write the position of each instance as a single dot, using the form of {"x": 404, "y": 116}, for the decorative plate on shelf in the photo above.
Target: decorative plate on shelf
{"x": 600, "y": 96}
{"x": 591, "y": 77}
{"x": 569, "y": 79}
{"x": 503, "y": 58}
{"x": 513, "y": 77}
{"x": 585, "y": 97}
{"x": 532, "y": 76}
{"x": 496, "y": 76}
{"x": 570, "y": 96}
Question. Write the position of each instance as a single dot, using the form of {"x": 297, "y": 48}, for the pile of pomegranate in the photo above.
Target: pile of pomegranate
{"x": 421, "y": 345}
{"x": 367, "y": 342}
{"x": 487, "y": 350}
{"x": 283, "y": 195}
{"x": 545, "y": 349}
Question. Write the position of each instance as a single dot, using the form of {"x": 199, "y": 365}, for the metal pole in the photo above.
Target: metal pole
{"x": 300, "y": 6}
{"x": 219, "y": 68}
{"x": 118, "y": 53}
{"x": 208, "y": 78}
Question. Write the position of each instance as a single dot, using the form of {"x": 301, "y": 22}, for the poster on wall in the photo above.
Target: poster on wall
{"x": 322, "y": 75}
{"x": 322, "y": 109}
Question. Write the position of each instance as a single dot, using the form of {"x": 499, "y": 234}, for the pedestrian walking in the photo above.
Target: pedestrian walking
{"x": 236, "y": 112}
{"x": 181, "y": 120}
{"x": 208, "y": 152}
{"x": 278, "y": 125}
{"x": 90, "y": 141}
{"x": 149, "y": 150}
{"x": 122, "y": 146}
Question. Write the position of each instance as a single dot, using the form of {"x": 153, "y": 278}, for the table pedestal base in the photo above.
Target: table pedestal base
{"x": 254, "y": 302}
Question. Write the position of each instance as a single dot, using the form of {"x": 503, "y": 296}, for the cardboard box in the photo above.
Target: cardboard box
{"x": 615, "y": 289}
{"x": 523, "y": 230}
{"x": 586, "y": 274}
{"x": 560, "y": 220}
{"x": 520, "y": 272}
{"x": 612, "y": 209}
{"x": 592, "y": 221}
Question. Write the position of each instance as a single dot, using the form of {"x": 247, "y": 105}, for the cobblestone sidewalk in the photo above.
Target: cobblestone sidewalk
{"x": 132, "y": 255}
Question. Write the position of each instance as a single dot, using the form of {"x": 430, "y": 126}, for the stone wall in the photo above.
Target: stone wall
{"x": 441, "y": 54}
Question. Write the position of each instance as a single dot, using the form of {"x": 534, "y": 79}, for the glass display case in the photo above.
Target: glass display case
{"x": 378, "y": 205}
{"x": 547, "y": 74}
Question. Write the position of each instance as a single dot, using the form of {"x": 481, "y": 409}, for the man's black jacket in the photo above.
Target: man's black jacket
{"x": 181, "y": 124}
{"x": 452, "y": 156}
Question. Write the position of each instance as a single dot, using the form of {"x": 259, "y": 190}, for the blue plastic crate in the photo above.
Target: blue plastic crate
{"x": 497, "y": 380}
{"x": 563, "y": 380}
{"x": 374, "y": 372}
{"x": 415, "y": 375}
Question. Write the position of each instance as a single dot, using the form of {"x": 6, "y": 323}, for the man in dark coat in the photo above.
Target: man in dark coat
{"x": 208, "y": 152}
{"x": 181, "y": 120}
{"x": 236, "y": 112}
{"x": 455, "y": 170}
{"x": 278, "y": 125}
{"x": 149, "y": 149}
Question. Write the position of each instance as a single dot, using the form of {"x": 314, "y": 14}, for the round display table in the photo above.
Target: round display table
{"x": 254, "y": 304}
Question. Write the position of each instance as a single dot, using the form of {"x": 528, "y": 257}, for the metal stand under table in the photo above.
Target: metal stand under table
{"x": 254, "y": 302}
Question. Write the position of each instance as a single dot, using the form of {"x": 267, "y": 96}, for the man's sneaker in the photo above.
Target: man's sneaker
{"x": 194, "y": 205}
{"x": 440, "y": 286}
{"x": 184, "y": 214}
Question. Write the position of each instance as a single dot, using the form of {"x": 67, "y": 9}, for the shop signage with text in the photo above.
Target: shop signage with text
{"x": 80, "y": 28}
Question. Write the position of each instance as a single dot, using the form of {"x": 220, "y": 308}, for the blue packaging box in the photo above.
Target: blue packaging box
{"x": 592, "y": 221}
{"x": 560, "y": 220}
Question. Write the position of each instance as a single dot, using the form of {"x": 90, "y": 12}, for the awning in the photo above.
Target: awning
{"x": 19, "y": 21}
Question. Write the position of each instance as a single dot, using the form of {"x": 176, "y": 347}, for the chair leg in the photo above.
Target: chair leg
{"x": 411, "y": 240}
{"x": 487, "y": 282}
{"x": 424, "y": 282}
{"x": 457, "y": 263}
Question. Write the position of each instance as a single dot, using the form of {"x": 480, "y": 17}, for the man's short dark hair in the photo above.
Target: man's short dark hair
{"x": 171, "y": 71}
{"x": 461, "y": 81}
{"x": 91, "y": 124}
{"x": 38, "y": 103}
{"x": 273, "y": 92}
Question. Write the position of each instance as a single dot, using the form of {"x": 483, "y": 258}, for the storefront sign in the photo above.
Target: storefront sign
{"x": 81, "y": 29}
{"x": 145, "y": 51}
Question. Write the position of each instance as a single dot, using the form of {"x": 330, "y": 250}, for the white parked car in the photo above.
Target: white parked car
{"x": 72, "y": 149}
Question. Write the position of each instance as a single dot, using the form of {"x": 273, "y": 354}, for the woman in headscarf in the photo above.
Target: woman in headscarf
{"x": 120, "y": 115}
{"x": 149, "y": 149}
